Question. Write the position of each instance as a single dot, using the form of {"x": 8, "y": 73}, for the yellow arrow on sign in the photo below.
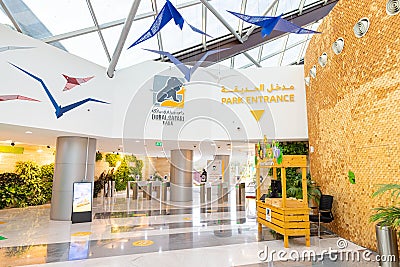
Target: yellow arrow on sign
{"x": 257, "y": 113}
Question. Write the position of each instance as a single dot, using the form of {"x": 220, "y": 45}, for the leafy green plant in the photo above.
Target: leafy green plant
{"x": 112, "y": 159}
{"x": 29, "y": 185}
{"x": 29, "y": 173}
{"x": 99, "y": 156}
{"x": 295, "y": 189}
{"x": 122, "y": 175}
{"x": 390, "y": 215}
{"x": 47, "y": 175}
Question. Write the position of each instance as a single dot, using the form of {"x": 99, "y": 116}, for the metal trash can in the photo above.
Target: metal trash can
{"x": 387, "y": 246}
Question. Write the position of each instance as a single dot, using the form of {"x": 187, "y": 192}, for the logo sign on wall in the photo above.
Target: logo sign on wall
{"x": 169, "y": 93}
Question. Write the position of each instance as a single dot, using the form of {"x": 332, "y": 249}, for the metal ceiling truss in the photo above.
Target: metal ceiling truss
{"x": 310, "y": 13}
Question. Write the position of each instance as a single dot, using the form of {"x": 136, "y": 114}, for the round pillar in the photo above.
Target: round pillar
{"x": 75, "y": 159}
{"x": 181, "y": 169}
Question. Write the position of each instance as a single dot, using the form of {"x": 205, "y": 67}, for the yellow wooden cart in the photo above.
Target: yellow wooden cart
{"x": 289, "y": 217}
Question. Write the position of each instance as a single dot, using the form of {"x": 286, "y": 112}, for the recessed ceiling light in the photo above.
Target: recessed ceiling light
{"x": 137, "y": 141}
{"x": 28, "y": 132}
{"x": 40, "y": 150}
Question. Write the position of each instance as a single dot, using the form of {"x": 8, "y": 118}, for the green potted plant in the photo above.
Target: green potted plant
{"x": 388, "y": 222}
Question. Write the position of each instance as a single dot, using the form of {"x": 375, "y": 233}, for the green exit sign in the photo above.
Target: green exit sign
{"x": 159, "y": 143}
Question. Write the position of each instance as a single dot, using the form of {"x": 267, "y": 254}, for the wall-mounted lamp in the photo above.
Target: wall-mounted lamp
{"x": 313, "y": 72}
{"x": 361, "y": 27}
{"x": 392, "y": 7}
{"x": 323, "y": 59}
{"x": 338, "y": 46}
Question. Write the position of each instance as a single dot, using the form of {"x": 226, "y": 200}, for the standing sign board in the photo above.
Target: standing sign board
{"x": 82, "y": 202}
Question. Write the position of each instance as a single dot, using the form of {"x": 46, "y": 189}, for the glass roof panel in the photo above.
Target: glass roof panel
{"x": 287, "y": 5}
{"x": 256, "y": 8}
{"x": 57, "y": 16}
{"x": 273, "y": 46}
{"x": 87, "y": 46}
{"x": 296, "y": 38}
{"x": 290, "y": 56}
{"x": 214, "y": 27}
{"x": 174, "y": 39}
{"x": 5, "y": 20}
{"x": 241, "y": 60}
{"x": 310, "y": 2}
{"x": 119, "y": 9}
{"x": 46, "y": 18}
{"x": 271, "y": 62}
{"x": 226, "y": 63}
{"x": 135, "y": 54}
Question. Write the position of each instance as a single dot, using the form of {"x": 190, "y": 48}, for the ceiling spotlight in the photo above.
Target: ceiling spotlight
{"x": 313, "y": 72}
{"x": 323, "y": 59}
{"x": 39, "y": 150}
{"x": 28, "y": 132}
{"x": 361, "y": 27}
{"x": 338, "y": 46}
{"x": 392, "y": 7}
{"x": 137, "y": 141}
{"x": 307, "y": 80}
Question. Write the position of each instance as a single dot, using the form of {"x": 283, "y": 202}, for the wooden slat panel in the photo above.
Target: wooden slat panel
{"x": 298, "y": 232}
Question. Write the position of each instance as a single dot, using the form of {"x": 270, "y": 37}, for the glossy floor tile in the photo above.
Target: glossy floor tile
{"x": 127, "y": 232}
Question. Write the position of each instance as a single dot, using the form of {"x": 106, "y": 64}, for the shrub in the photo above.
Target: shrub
{"x": 112, "y": 159}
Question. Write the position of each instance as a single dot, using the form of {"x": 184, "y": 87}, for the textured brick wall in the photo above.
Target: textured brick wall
{"x": 353, "y": 111}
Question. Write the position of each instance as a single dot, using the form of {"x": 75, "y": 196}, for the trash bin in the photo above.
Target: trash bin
{"x": 387, "y": 246}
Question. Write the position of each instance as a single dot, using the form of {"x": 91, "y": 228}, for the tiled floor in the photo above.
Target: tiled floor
{"x": 127, "y": 232}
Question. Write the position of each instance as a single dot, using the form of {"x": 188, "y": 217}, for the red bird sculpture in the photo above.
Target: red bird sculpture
{"x": 72, "y": 82}
{"x": 15, "y": 97}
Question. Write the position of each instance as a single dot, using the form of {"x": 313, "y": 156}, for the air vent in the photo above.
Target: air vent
{"x": 307, "y": 80}
{"x": 313, "y": 72}
{"x": 393, "y": 7}
{"x": 338, "y": 46}
{"x": 323, "y": 59}
{"x": 361, "y": 27}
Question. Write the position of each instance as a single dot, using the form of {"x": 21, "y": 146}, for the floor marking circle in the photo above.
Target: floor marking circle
{"x": 143, "y": 243}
